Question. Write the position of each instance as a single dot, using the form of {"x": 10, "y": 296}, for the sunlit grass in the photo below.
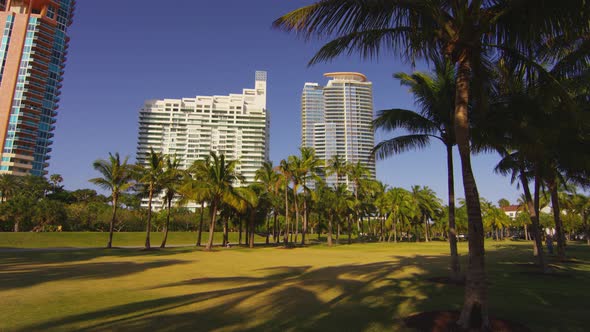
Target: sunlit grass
{"x": 100, "y": 239}
{"x": 353, "y": 288}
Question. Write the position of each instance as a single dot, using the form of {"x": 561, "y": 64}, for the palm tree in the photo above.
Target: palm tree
{"x": 435, "y": 96}
{"x": 298, "y": 170}
{"x": 192, "y": 189}
{"x": 285, "y": 170}
{"x": 311, "y": 168}
{"x": 338, "y": 166}
{"x": 358, "y": 175}
{"x": 116, "y": 177}
{"x": 269, "y": 179}
{"x": 581, "y": 205}
{"x": 217, "y": 183}
{"x": 466, "y": 32}
{"x": 55, "y": 180}
{"x": 151, "y": 177}
{"x": 428, "y": 205}
{"x": 172, "y": 177}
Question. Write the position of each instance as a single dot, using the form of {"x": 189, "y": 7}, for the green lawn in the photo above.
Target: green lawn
{"x": 363, "y": 287}
{"x": 97, "y": 239}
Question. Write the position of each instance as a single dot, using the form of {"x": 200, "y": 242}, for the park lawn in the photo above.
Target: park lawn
{"x": 354, "y": 288}
{"x": 100, "y": 239}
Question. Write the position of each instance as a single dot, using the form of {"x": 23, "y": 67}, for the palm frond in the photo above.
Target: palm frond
{"x": 400, "y": 144}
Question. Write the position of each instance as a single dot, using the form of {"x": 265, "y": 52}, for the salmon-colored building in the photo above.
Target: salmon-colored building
{"x": 33, "y": 48}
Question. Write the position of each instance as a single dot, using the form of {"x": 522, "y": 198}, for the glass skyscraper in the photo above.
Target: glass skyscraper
{"x": 337, "y": 119}
{"x": 33, "y": 52}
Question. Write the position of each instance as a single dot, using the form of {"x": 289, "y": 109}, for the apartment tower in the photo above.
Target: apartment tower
{"x": 337, "y": 119}
{"x": 33, "y": 52}
{"x": 236, "y": 125}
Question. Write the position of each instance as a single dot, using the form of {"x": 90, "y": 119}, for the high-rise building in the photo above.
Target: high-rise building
{"x": 337, "y": 119}
{"x": 236, "y": 125}
{"x": 33, "y": 52}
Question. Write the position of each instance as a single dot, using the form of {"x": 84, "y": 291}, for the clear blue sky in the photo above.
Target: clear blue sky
{"x": 124, "y": 52}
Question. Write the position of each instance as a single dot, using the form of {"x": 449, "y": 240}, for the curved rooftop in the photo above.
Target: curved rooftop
{"x": 347, "y": 75}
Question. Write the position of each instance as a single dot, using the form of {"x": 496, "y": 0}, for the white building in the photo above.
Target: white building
{"x": 337, "y": 119}
{"x": 236, "y": 125}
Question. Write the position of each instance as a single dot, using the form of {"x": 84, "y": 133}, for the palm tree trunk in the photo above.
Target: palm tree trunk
{"x": 296, "y": 213}
{"x": 267, "y": 228}
{"x": 112, "y": 223}
{"x": 338, "y": 234}
{"x": 455, "y": 267}
{"x": 212, "y": 226}
{"x": 225, "y": 230}
{"x": 475, "y": 307}
{"x": 240, "y": 231}
{"x": 552, "y": 184}
{"x": 534, "y": 220}
{"x": 585, "y": 218}
{"x": 330, "y": 230}
{"x": 426, "y": 230}
{"x": 276, "y": 228}
{"x": 251, "y": 239}
{"x": 163, "y": 245}
{"x": 286, "y": 215}
{"x": 200, "y": 224}
{"x": 149, "y": 219}
{"x": 394, "y": 231}
{"x": 349, "y": 230}
{"x": 304, "y": 230}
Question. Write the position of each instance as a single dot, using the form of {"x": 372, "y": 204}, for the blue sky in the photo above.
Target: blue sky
{"x": 124, "y": 52}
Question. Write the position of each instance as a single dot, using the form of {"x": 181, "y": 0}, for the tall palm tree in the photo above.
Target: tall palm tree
{"x": 55, "y": 180}
{"x": 435, "y": 96}
{"x": 285, "y": 170}
{"x": 428, "y": 205}
{"x": 336, "y": 166}
{"x": 466, "y": 32}
{"x": 311, "y": 169}
{"x": 217, "y": 181}
{"x": 298, "y": 171}
{"x": 170, "y": 183}
{"x": 116, "y": 177}
{"x": 151, "y": 177}
{"x": 269, "y": 179}
{"x": 358, "y": 175}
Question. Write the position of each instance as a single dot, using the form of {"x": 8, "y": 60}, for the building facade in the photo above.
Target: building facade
{"x": 337, "y": 119}
{"x": 236, "y": 125}
{"x": 33, "y": 52}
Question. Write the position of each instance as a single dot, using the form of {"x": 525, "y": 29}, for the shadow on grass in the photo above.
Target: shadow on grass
{"x": 352, "y": 297}
{"x": 30, "y": 276}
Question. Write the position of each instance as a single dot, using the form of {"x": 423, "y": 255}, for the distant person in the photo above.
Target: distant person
{"x": 549, "y": 243}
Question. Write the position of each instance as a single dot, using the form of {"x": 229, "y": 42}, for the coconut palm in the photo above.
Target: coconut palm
{"x": 116, "y": 177}
{"x": 466, "y": 32}
{"x": 172, "y": 178}
{"x": 435, "y": 96}
{"x": 151, "y": 177}
{"x": 427, "y": 204}
{"x": 217, "y": 176}
{"x": 55, "y": 180}
{"x": 336, "y": 165}
{"x": 358, "y": 175}
{"x": 311, "y": 169}
{"x": 285, "y": 170}
{"x": 269, "y": 179}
